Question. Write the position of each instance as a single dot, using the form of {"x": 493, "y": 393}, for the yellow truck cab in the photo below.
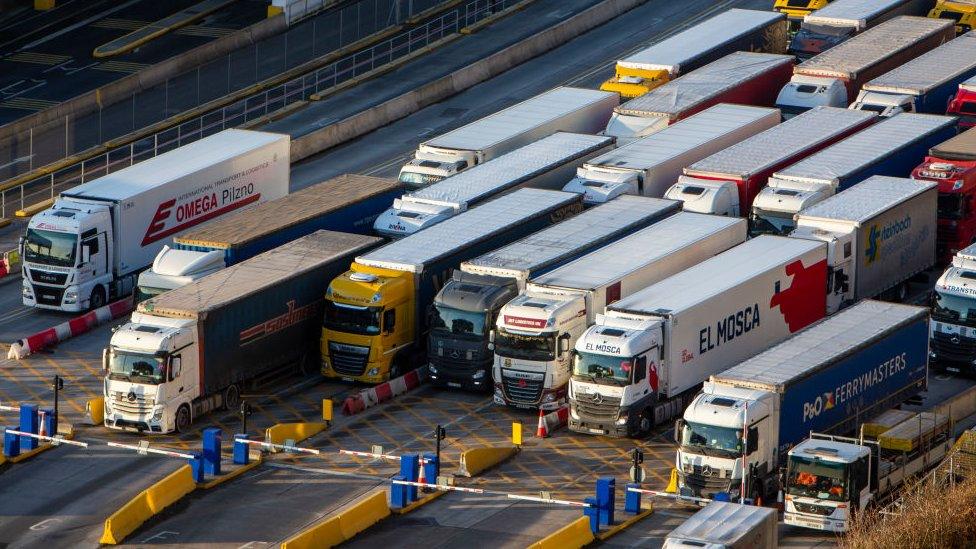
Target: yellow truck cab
{"x": 963, "y": 12}
{"x": 796, "y": 10}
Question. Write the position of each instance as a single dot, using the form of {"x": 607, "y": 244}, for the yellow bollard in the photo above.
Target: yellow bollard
{"x": 273, "y": 11}
{"x": 673, "y": 483}
{"x": 43, "y": 5}
{"x": 517, "y": 433}
{"x": 95, "y": 410}
{"x": 327, "y": 409}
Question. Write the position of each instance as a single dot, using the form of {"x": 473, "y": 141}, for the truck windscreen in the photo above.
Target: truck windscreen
{"x": 614, "y": 370}
{"x": 817, "y": 479}
{"x": 711, "y": 440}
{"x": 469, "y": 324}
{"x": 136, "y": 368}
{"x": 954, "y": 309}
{"x": 526, "y": 347}
{"x": 50, "y": 247}
{"x": 352, "y": 319}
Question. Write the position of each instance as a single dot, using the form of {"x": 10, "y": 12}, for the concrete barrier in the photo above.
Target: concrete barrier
{"x": 343, "y": 526}
{"x": 478, "y": 460}
{"x": 147, "y": 504}
{"x": 384, "y": 391}
{"x": 297, "y": 432}
{"x": 34, "y": 209}
{"x": 572, "y": 536}
{"x": 24, "y": 347}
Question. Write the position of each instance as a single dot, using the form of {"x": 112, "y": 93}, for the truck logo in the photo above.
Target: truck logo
{"x": 804, "y": 302}
{"x": 820, "y": 404}
{"x": 728, "y": 328}
{"x": 652, "y": 376}
{"x": 853, "y": 388}
{"x": 877, "y": 236}
{"x": 523, "y": 322}
{"x": 293, "y": 316}
{"x": 191, "y": 211}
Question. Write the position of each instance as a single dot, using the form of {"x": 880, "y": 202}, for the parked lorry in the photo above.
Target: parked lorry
{"x": 727, "y": 525}
{"x": 890, "y": 147}
{"x": 376, "y": 313}
{"x": 535, "y": 332}
{"x": 842, "y": 19}
{"x": 953, "y": 329}
{"x": 835, "y": 76}
{"x": 827, "y": 378}
{"x": 952, "y": 164}
{"x": 562, "y": 109}
{"x": 726, "y": 182}
{"x": 924, "y": 84}
{"x": 962, "y": 12}
{"x": 246, "y": 321}
{"x": 963, "y": 104}
{"x": 647, "y": 355}
{"x": 544, "y": 164}
{"x": 347, "y": 203}
{"x": 731, "y": 30}
{"x": 796, "y": 10}
{"x": 90, "y": 245}
{"x": 740, "y": 77}
{"x": 648, "y": 166}
{"x": 467, "y": 306}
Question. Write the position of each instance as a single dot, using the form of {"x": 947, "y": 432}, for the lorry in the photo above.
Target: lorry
{"x": 727, "y": 525}
{"x": 953, "y": 330}
{"x": 740, "y": 77}
{"x": 952, "y": 164}
{"x": 648, "y": 166}
{"x": 829, "y": 478}
{"x": 842, "y": 19}
{"x": 467, "y": 306}
{"x": 796, "y": 10}
{"x": 347, "y": 203}
{"x": 377, "y": 313}
{"x": 562, "y": 109}
{"x": 962, "y": 12}
{"x": 890, "y": 147}
{"x": 924, "y": 84}
{"x": 88, "y": 248}
{"x": 835, "y": 76}
{"x": 731, "y": 30}
{"x": 827, "y": 378}
{"x": 646, "y": 356}
{"x": 252, "y": 319}
{"x": 544, "y": 164}
{"x": 535, "y": 332}
{"x": 963, "y": 104}
{"x": 726, "y": 182}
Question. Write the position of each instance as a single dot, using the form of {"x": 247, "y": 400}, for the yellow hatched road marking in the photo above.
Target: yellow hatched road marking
{"x": 71, "y": 376}
{"x": 124, "y": 24}
{"x": 39, "y": 58}
{"x": 205, "y": 32}
{"x": 120, "y": 66}
{"x": 27, "y": 104}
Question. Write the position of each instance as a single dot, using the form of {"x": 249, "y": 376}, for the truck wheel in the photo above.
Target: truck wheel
{"x": 232, "y": 398}
{"x": 396, "y": 367}
{"x": 183, "y": 419}
{"x": 97, "y": 298}
{"x": 645, "y": 423}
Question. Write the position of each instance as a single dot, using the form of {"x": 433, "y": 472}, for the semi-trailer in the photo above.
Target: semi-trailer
{"x": 726, "y": 182}
{"x": 731, "y": 30}
{"x": 544, "y": 164}
{"x": 467, "y": 306}
{"x": 727, "y": 525}
{"x": 562, "y": 109}
{"x": 194, "y": 349}
{"x": 740, "y": 77}
{"x": 835, "y": 76}
{"x": 90, "y": 245}
{"x": 827, "y": 378}
{"x": 952, "y": 164}
{"x": 891, "y": 147}
{"x": 648, "y": 166}
{"x": 963, "y": 104}
{"x": 347, "y": 203}
{"x": 535, "y": 332}
{"x": 842, "y": 19}
{"x": 376, "y": 313}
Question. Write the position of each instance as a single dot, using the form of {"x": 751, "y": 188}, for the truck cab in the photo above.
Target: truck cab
{"x": 432, "y": 164}
{"x": 952, "y": 338}
{"x": 628, "y": 127}
{"x": 172, "y": 269}
{"x": 406, "y": 218}
{"x": 599, "y": 185}
{"x": 815, "y": 38}
{"x": 963, "y": 12}
{"x": 963, "y": 105}
{"x": 706, "y": 196}
{"x": 957, "y": 209}
{"x": 885, "y": 104}
{"x": 634, "y": 81}
{"x": 803, "y": 93}
{"x": 796, "y": 10}
{"x": 775, "y": 206}
{"x": 827, "y": 478}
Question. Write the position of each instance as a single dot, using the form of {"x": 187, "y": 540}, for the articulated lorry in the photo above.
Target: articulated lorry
{"x": 842, "y": 19}
{"x": 731, "y": 30}
{"x": 726, "y": 525}
{"x": 953, "y": 330}
{"x": 952, "y": 164}
{"x": 377, "y": 313}
{"x": 924, "y": 84}
{"x": 741, "y": 77}
{"x": 535, "y": 332}
{"x": 90, "y": 245}
{"x": 835, "y": 76}
{"x": 347, "y": 203}
{"x": 828, "y": 378}
{"x": 726, "y": 182}
{"x": 796, "y": 10}
{"x": 962, "y": 12}
{"x": 891, "y": 147}
{"x": 467, "y": 306}
{"x": 544, "y": 164}
{"x": 648, "y": 166}
{"x": 561, "y": 109}
{"x": 963, "y": 104}
{"x": 246, "y": 321}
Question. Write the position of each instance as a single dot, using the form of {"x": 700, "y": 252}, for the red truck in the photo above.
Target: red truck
{"x": 963, "y": 104}
{"x": 952, "y": 164}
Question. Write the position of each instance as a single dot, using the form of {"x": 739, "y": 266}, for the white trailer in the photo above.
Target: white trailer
{"x": 544, "y": 164}
{"x": 727, "y": 526}
{"x": 648, "y": 166}
{"x": 842, "y": 19}
{"x": 562, "y": 109}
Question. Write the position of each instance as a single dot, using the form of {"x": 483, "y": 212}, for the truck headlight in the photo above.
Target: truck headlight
{"x": 551, "y": 397}
{"x": 622, "y": 418}
{"x": 572, "y": 412}
{"x": 478, "y": 375}
{"x": 158, "y": 414}
{"x": 933, "y": 355}
{"x": 432, "y": 369}
{"x": 498, "y": 392}
{"x": 26, "y": 291}
{"x": 70, "y": 296}
{"x": 373, "y": 372}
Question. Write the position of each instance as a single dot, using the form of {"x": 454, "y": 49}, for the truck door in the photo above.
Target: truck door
{"x": 94, "y": 256}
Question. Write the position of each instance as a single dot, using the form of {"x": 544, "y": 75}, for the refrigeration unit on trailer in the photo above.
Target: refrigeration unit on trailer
{"x": 726, "y": 525}
{"x": 842, "y": 19}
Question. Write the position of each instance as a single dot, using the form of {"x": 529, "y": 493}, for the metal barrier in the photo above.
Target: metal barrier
{"x": 144, "y": 449}
{"x": 56, "y": 440}
{"x": 521, "y": 497}
{"x": 377, "y": 455}
{"x": 281, "y": 447}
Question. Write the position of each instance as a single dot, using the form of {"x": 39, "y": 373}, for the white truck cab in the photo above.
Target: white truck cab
{"x": 598, "y": 184}
{"x": 172, "y": 269}
{"x": 407, "y": 217}
{"x": 804, "y": 92}
{"x": 776, "y": 205}
{"x": 705, "y": 196}
{"x": 952, "y": 331}
{"x": 432, "y": 164}
{"x": 629, "y": 127}
{"x": 885, "y": 104}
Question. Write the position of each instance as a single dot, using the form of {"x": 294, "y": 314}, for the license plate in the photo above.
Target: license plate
{"x": 597, "y": 431}
{"x": 348, "y": 379}
{"x": 953, "y": 370}
{"x": 453, "y": 384}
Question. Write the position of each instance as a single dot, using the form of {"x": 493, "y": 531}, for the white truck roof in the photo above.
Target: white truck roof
{"x": 849, "y": 58}
{"x": 723, "y": 524}
{"x": 698, "y": 40}
{"x": 796, "y": 358}
{"x": 851, "y": 13}
{"x": 490, "y": 130}
{"x": 864, "y": 201}
{"x": 562, "y": 239}
{"x": 487, "y": 179}
{"x": 931, "y": 69}
{"x": 777, "y": 144}
{"x": 614, "y": 261}
{"x": 421, "y": 248}
{"x": 190, "y": 158}
{"x": 692, "y": 88}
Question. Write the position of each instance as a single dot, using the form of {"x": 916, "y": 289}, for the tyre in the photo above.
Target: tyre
{"x": 645, "y": 423}
{"x": 183, "y": 419}
{"x": 97, "y": 298}
{"x": 396, "y": 368}
{"x": 232, "y": 398}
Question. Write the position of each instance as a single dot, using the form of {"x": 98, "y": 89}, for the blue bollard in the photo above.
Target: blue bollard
{"x": 431, "y": 468}
{"x": 594, "y": 513}
{"x": 242, "y": 454}
{"x": 196, "y": 467}
{"x": 212, "y": 438}
{"x": 721, "y": 496}
{"x": 11, "y": 443}
{"x": 409, "y": 468}
{"x": 605, "y": 488}
{"x": 398, "y": 493}
{"x": 28, "y": 424}
{"x": 49, "y": 425}
{"x": 632, "y": 500}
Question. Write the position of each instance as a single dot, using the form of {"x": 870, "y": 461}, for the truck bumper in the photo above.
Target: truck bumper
{"x": 816, "y": 523}
{"x": 374, "y": 372}
{"x": 549, "y": 400}
{"x": 474, "y": 379}
{"x": 594, "y": 426}
{"x": 136, "y": 423}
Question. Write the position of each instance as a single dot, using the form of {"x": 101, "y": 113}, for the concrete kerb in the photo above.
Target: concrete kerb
{"x": 154, "y": 30}
{"x": 255, "y": 460}
{"x": 477, "y": 460}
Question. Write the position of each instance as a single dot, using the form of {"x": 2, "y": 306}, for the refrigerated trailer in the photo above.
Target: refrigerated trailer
{"x": 842, "y": 19}
{"x": 726, "y": 525}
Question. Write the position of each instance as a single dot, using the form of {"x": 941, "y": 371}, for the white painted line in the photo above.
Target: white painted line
{"x": 44, "y": 524}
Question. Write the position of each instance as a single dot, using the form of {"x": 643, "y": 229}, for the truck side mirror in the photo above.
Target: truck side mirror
{"x": 491, "y": 340}
{"x": 678, "y": 424}
{"x": 105, "y": 360}
{"x": 564, "y": 343}
{"x": 21, "y": 242}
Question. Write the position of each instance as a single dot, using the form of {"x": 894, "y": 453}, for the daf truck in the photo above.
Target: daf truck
{"x": 726, "y": 525}
{"x": 961, "y": 12}
{"x": 544, "y": 164}
{"x": 377, "y": 313}
{"x": 842, "y": 19}
{"x": 952, "y": 165}
{"x": 731, "y": 30}
{"x": 467, "y": 306}
{"x": 796, "y": 10}
{"x": 740, "y": 77}
{"x": 563, "y": 109}
{"x": 648, "y": 166}
{"x": 535, "y": 333}
{"x": 963, "y": 104}
{"x": 891, "y": 147}
{"x": 248, "y": 320}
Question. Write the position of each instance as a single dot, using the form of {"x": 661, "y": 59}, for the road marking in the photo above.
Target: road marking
{"x": 38, "y": 58}
{"x": 162, "y": 535}
{"x": 122, "y": 24}
{"x": 254, "y": 544}
{"x": 205, "y": 32}
{"x": 321, "y": 471}
{"x": 80, "y": 24}
{"x": 120, "y": 66}
{"x": 44, "y": 524}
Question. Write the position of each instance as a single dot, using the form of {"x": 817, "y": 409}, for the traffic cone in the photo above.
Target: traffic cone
{"x": 42, "y": 424}
{"x": 421, "y": 477}
{"x": 542, "y": 431}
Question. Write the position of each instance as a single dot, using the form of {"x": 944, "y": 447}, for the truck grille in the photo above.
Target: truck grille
{"x": 348, "y": 360}
{"x": 813, "y": 509}
{"x": 706, "y": 484}
{"x": 49, "y": 278}
{"x": 523, "y": 388}
{"x": 132, "y": 403}
{"x": 46, "y": 295}
{"x": 963, "y": 349}
{"x": 597, "y": 406}
{"x": 459, "y": 365}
